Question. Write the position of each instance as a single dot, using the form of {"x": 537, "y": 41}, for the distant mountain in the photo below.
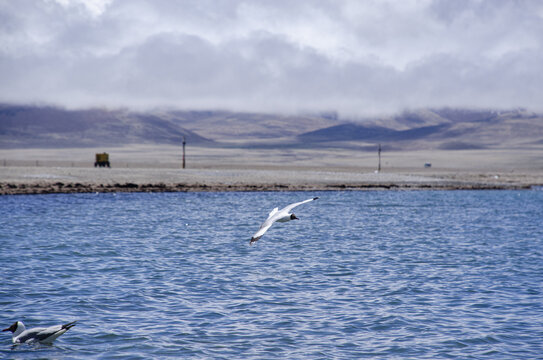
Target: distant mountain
{"x": 27, "y": 126}
{"x": 232, "y": 126}
{"x": 448, "y": 129}
{"x": 351, "y": 132}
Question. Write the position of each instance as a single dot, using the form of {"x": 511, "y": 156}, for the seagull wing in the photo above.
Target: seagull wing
{"x": 29, "y": 335}
{"x": 292, "y": 206}
{"x": 265, "y": 225}
{"x": 273, "y": 212}
{"x": 46, "y": 334}
{"x": 263, "y": 228}
{"x": 52, "y": 331}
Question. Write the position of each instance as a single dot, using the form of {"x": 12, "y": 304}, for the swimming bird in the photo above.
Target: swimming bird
{"x": 282, "y": 215}
{"x": 39, "y": 334}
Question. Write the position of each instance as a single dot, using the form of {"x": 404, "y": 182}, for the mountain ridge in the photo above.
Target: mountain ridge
{"x": 447, "y": 128}
{"x": 28, "y": 126}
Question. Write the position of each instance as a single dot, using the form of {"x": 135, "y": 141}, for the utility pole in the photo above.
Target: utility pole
{"x": 379, "y": 154}
{"x": 184, "y": 142}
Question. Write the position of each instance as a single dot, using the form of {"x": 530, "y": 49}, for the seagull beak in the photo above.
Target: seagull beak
{"x": 294, "y": 217}
{"x": 6, "y": 329}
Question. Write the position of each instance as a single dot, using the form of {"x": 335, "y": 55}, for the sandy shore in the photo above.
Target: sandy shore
{"x": 157, "y": 169}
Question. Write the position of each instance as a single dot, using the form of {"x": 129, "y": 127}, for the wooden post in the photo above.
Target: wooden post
{"x": 379, "y": 154}
{"x": 184, "y": 142}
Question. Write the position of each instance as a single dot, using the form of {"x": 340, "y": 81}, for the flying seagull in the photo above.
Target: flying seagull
{"x": 282, "y": 215}
{"x": 39, "y": 334}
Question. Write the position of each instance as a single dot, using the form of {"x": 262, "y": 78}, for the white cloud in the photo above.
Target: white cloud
{"x": 350, "y": 56}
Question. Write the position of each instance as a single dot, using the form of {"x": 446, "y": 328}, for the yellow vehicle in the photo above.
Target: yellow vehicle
{"x": 102, "y": 160}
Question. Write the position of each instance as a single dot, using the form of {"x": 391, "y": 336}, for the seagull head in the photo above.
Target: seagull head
{"x": 293, "y": 217}
{"x": 14, "y": 326}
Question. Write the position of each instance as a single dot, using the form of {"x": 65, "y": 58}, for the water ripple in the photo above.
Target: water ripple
{"x": 387, "y": 275}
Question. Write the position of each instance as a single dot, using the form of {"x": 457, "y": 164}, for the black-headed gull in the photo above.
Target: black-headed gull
{"x": 282, "y": 215}
{"x": 42, "y": 335}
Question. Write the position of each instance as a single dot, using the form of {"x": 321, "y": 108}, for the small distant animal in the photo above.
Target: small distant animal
{"x": 282, "y": 215}
{"x": 37, "y": 335}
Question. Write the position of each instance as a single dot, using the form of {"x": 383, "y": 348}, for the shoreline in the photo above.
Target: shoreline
{"x": 65, "y": 180}
{"x": 77, "y": 188}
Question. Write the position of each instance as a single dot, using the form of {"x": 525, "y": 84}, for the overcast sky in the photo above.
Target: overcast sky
{"x": 354, "y": 57}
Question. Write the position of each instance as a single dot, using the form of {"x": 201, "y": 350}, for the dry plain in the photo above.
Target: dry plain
{"x": 159, "y": 168}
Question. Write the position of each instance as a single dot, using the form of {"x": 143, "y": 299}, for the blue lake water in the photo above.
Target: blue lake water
{"x": 421, "y": 274}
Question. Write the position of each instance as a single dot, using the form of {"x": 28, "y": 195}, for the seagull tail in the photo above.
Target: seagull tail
{"x": 69, "y": 325}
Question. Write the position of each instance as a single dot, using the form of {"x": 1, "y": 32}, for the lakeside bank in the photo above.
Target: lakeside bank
{"x": 47, "y": 180}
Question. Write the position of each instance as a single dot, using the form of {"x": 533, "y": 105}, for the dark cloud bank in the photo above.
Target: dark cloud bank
{"x": 356, "y": 58}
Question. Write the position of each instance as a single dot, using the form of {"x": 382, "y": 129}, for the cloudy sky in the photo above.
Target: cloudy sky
{"x": 355, "y": 57}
